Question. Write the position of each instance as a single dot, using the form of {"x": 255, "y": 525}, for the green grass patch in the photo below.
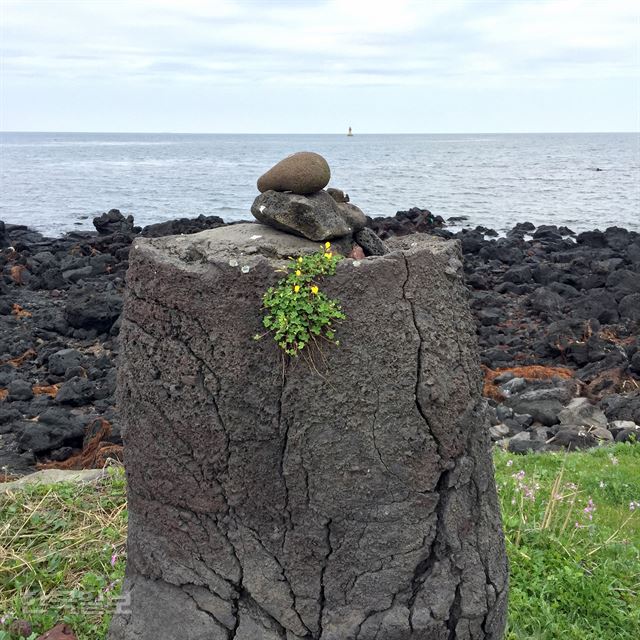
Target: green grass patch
{"x": 572, "y": 529}
{"x": 62, "y": 555}
{"x": 573, "y": 540}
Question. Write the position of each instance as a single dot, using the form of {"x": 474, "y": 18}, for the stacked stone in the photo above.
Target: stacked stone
{"x": 293, "y": 199}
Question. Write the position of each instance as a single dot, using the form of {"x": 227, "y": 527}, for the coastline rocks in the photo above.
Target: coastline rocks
{"x": 113, "y": 222}
{"x": 302, "y": 173}
{"x": 182, "y": 226}
{"x": 315, "y": 217}
{"x": 88, "y": 309}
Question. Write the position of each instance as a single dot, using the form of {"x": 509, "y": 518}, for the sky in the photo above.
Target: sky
{"x": 398, "y": 66}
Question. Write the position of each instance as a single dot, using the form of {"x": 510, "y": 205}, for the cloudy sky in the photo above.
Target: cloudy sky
{"x": 319, "y": 66}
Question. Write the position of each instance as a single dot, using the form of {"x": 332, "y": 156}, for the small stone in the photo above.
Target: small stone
{"x": 357, "y": 253}
{"x": 370, "y": 243}
{"x": 338, "y": 195}
{"x": 574, "y": 436}
{"x": 581, "y": 411}
{"x": 64, "y": 359}
{"x": 19, "y": 390}
{"x": 515, "y": 385}
{"x": 499, "y": 431}
{"x": 245, "y": 269}
{"x": 303, "y": 173}
{"x": 353, "y": 216}
{"x": 76, "y": 391}
{"x": 59, "y": 632}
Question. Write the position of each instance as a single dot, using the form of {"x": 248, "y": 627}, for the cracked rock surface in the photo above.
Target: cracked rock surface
{"x": 347, "y": 498}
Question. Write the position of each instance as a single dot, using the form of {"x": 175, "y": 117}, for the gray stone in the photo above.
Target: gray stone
{"x": 627, "y": 435}
{"x": 371, "y": 244}
{"x": 523, "y": 443}
{"x": 581, "y": 411}
{"x": 499, "y": 431}
{"x": 621, "y": 425}
{"x": 515, "y": 385}
{"x": 318, "y": 501}
{"x": 19, "y": 390}
{"x": 503, "y": 412}
{"x": 315, "y": 217}
{"x": 76, "y": 391}
{"x": 53, "y": 476}
{"x": 338, "y": 195}
{"x": 354, "y": 217}
{"x": 574, "y": 437}
{"x": 303, "y": 173}
{"x": 543, "y": 405}
{"x": 64, "y": 359}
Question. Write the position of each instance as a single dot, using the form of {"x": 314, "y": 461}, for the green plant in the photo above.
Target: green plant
{"x": 297, "y": 312}
{"x": 62, "y": 555}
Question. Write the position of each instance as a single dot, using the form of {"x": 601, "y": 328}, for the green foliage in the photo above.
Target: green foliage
{"x": 62, "y": 555}
{"x": 572, "y": 525}
{"x": 297, "y": 311}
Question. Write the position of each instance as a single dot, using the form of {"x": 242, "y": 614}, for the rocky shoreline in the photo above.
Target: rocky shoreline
{"x": 558, "y": 318}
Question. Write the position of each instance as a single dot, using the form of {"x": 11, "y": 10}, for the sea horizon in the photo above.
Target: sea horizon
{"x": 58, "y": 181}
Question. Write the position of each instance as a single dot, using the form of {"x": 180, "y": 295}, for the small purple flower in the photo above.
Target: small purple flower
{"x": 114, "y": 558}
{"x": 589, "y": 509}
{"x": 509, "y": 463}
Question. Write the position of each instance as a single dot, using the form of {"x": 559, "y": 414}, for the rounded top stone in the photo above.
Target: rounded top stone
{"x": 303, "y": 173}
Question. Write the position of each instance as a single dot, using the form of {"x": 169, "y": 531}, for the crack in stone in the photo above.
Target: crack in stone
{"x": 217, "y": 622}
{"x": 323, "y": 569}
{"x": 288, "y": 522}
{"x": 416, "y": 392}
{"x": 292, "y": 593}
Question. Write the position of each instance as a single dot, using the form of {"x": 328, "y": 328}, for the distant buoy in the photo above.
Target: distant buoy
{"x": 350, "y": 133}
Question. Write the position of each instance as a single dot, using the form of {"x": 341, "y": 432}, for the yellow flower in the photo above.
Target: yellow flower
{"x": 327, "y": 245}
{"x": 298, "y": 272}
{"x": 328, "y": 255}
{"x": 296, "y": 288}
{"x": 300, "y": 260}
{"x": 314, "y": 289}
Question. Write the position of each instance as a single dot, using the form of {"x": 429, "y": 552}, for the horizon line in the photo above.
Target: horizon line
{"x": 335, "y": 133}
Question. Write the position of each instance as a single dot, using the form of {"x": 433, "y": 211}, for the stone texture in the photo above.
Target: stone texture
{"x": 53, "y": 476}
{"x": 338, "y": 195}
{"x": 371, "y": 243}
{"x": 352, "y": 215}
{"x": 275, "y": 500}
{"x": 581, "y": 411}
{"x": 303, "y": 173}
{"x": 315, "y": 217}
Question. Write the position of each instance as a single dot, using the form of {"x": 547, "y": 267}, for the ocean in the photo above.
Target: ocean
{"x": 56, "y": 182}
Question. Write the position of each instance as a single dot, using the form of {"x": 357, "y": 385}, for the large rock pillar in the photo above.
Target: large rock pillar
{"x": 350, "y": 497}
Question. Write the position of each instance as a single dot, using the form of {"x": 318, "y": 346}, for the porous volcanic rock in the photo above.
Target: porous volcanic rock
{"x": 279, "y": 500}
{"x": 315, "y": 217}
{"x": 303, "y": 173}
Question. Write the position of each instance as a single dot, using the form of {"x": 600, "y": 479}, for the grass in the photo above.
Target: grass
{"x": 62, "y": 555}
{"x": 573, "y": 543}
